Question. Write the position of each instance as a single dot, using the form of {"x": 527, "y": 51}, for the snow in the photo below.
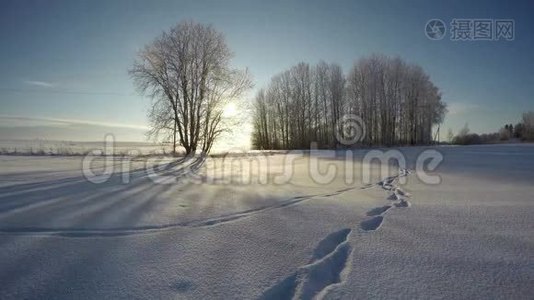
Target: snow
{"x": 52, "y": 147}
{"x": 470, "y": 236}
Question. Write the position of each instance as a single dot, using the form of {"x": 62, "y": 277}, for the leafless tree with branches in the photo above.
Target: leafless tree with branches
{"x": 187, "y": 73}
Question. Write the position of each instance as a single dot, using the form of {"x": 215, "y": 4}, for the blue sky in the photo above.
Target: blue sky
{"x": 63, "y": 64}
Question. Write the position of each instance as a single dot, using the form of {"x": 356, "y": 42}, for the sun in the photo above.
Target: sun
{"x": 230, "y": 110}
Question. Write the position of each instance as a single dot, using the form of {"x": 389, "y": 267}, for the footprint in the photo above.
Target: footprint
{"x": 372, "y": 224}
{"x": 399, "y": 191}
{"x": 397, "y": 194}
{"x": 284, "y": 290}
{"x": 329, "y": 244}
{"x": 378, "y": 210}
{"x": 403, "y": 203}
{"x": 393, "y": 197}
{"x": 326, "y": 268}
{"x": 324, "y": 273}
{"x": 387, "y": 187}
{"x": 405, "y": 172}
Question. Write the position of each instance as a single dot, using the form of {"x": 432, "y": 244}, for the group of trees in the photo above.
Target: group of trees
{"x": 300, "y": 106}
{"x": 465, "y": 137}
{"x": 509, "y": 131}
{"x": 526, "y": 131}
{"x": 522, "y": 131}
{"x": 396, "y": 102}
{"x": 186, "y": 71}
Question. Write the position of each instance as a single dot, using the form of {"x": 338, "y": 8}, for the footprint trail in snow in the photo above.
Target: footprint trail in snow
{"x": 398, "y": 196}
{"x": 327, "y": 267}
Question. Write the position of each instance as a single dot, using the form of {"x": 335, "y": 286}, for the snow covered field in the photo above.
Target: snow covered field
{"x": 232, "y": 233}
{"x": 67, "y": 148}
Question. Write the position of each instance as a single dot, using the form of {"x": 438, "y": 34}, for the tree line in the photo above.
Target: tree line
{"x": 521, "y": 131}
{"x": 397, "y": 103}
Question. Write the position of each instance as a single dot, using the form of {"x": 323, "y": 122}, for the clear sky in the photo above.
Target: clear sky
{"x": 63, "y": 64}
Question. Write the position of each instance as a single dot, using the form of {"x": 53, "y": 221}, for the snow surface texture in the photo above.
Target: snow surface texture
{"x": 469, "y": 237}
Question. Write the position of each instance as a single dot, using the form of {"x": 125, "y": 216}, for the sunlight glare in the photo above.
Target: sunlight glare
{"x": 230, "y": 110}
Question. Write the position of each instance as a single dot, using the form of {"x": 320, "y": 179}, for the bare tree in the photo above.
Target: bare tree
{"x": 464, "y": 131}
{"x": 186, "y": 71}
{"x": 450, "y": 135}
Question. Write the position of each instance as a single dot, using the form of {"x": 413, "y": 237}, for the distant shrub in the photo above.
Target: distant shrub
{"x": 468, "y": 139}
